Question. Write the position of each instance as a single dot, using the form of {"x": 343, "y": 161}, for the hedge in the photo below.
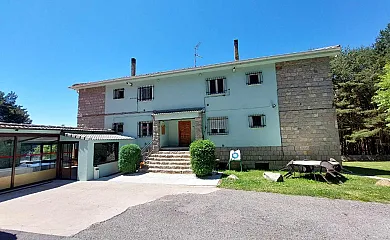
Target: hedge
{"x": 202, "y": 157}
{"x": 129, "y": 157}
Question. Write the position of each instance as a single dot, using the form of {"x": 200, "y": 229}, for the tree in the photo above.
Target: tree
{"x": 382, "y": 43}
{"x": 11, "y": 112}
{"x": 382, "y": 95}
{"x": 356, "y": 74}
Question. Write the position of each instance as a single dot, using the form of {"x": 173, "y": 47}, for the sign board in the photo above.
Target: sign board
{"x": 235, "y": 155}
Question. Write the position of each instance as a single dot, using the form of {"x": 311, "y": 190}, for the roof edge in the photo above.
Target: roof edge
{"x": 320, "y": 52}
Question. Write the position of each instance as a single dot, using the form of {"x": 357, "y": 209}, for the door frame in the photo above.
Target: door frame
{"x": 61, "y": 158}
{"x": 190, "y": 133}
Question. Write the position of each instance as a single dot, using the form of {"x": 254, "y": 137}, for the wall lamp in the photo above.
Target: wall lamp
{"x": 129, "y": 83}
{"x": 234, "y": 69}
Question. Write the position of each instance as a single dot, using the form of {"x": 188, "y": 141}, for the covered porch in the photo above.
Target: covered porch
{"x": 176, "y": 128}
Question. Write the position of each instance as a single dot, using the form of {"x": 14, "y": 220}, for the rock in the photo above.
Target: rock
{"x": 383, "y": 182}
{"x": 276, "y": 177}
{"x": 232, "y": 177}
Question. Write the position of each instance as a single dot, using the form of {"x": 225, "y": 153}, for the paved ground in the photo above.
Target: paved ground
{"x": 65, "y": 208}
{"x": 229, "y": 214}
{"x": 161, "y": 178}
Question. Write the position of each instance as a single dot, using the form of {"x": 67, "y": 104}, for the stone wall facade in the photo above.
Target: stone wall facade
{"x": 156, "y": 135}
{"x": 198, "y": 127}
{"x": 91, "y": 107}
{"x": 308, "y": 123}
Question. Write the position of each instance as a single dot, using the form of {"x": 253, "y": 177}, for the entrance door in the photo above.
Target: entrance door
{"x": 69, "y": 160}
{"x": 184, "y": 133}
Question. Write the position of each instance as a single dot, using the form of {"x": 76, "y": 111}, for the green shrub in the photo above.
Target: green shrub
{"x": 202, "y": 157}
{"x": 129, "y": 157}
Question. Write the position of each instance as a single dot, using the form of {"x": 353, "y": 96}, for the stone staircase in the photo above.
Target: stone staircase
{"x": 169, "y": 161}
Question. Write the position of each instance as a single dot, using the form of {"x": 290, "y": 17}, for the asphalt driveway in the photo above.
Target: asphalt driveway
{"x": 230, "y": 214}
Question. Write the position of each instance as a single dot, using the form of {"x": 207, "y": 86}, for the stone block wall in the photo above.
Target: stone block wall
{"x": 308, "y": 123}
{"x": 91, "y": 107}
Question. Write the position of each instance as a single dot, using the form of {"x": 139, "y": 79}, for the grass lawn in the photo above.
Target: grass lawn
{"x": 380, "y": 169}
{"x": 355, "y": 188}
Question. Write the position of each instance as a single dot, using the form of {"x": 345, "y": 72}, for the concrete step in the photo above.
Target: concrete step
{"x": 159, "y": 166}
{"x": 174, "y": 149}
{"x": 159, "y": 155}
{"x": 174, "y": 152}
{"x": 173, "y": 162}
{"x": 158, "y": 158}
{"x": 172, "y": 171}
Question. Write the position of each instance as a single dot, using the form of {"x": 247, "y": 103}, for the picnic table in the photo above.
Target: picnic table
{"x": 331, "y": 167}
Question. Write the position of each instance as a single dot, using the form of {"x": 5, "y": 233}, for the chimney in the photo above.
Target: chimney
{"x": 133, "y": 65}
{"x": 236, "y": 56}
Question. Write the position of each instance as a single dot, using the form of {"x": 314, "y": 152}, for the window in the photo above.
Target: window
{"x": 105, "y": 153}
{"x": 145, "y": 129}
{"x": 117, "y": 127}
{"x": 254, "y": 78}
{"x": 217, "y": 125}
{"x": 119, "y": 93}
{"x": 145, "y": 93}
{"x": 216, "y": 85}
{"x": 257, "y": 121}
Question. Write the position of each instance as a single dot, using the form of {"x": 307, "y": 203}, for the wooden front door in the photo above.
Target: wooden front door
{"x": 184, "y": 133}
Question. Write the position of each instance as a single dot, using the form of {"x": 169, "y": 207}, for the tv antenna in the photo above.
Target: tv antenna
{"x": 196, "y": 55}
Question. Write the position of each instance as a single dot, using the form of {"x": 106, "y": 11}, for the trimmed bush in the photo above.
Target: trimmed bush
{"x": 202, "y": 157}
{"x": 129, "y": 157}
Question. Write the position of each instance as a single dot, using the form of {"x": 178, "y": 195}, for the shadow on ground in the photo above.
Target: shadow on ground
{"x": 35, "y": 188}
{"x": 7, "y": 236}
{"x": 319, "y": 178}
{"x": 367, "y": 171}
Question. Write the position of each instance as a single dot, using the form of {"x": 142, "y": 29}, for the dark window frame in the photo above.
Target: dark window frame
{"x": 115, "y": 146}
{"x": 213, "y": 86}
{"x": 119, "y": 93}
{"x": 143, "y": 96}
{"x": 259, "y": 77}
{"x": 257, "y": 121}
{"x": 149, "y": 129}
{"x": 118, "y": 127}
{"x": 218, "y": 126}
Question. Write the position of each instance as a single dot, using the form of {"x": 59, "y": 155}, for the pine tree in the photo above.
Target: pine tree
{"x": 356, "y": 74}
{"x": 11, "y": 112}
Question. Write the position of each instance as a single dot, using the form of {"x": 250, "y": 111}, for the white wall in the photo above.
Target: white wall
{"x": 240, "y": 101}
{"x": 108, "y": 169}
{"x": 85, "y": 160}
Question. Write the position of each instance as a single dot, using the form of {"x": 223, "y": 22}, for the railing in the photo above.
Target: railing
{"x": 146, "y": 151}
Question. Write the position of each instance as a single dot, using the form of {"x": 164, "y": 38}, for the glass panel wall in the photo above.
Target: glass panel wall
{"x": 35, "y": 160}
{"x": 6, "y": 158}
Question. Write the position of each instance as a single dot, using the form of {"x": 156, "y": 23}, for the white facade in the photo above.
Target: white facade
{"x": 189, "y": 91}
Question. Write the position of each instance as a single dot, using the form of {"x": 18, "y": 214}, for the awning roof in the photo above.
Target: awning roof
{"x": 188, "y": 113}
{"x": 98, "y": 136}
{"x": 183, "y": 110}
{"x": 23, "y": 126}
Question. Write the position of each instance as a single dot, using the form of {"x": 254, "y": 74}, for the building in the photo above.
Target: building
{"x": 35, "y": 153}
{"x": 273, "y": 109}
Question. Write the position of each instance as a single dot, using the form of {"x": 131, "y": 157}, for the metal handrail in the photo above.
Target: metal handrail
{"x": 146, "y": 151}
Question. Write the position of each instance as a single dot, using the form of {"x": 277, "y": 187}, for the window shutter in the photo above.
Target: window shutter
{"x": 139, "y": 129}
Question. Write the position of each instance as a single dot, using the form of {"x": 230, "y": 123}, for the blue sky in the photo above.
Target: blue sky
{"x": 46, "y": 46}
